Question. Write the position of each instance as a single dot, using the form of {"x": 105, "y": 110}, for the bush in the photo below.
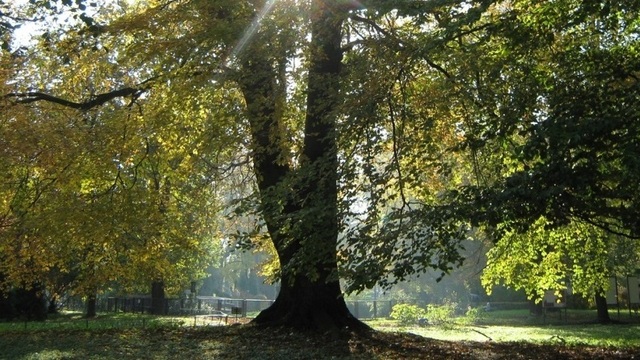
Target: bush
{"x": 407, "y": 314}
{"x": 474, "y": 316}
{"x": 443, "y": 315}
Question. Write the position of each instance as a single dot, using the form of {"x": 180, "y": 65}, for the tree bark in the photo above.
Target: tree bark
{"x": 91, "y": 306}
{"x": 300, "y": 207}
{"x": 157, "y": 298}
{"x": 603, "y": 309}
{"x": 52, "y": 308}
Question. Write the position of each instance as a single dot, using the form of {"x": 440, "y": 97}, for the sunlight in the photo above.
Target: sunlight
{"x": 255, "y": 25}
{"x": 251, "y": 30}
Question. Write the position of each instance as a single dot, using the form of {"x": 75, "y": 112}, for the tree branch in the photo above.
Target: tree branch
{"x": 95, "y": 101}
{"x": 401, "y": 45}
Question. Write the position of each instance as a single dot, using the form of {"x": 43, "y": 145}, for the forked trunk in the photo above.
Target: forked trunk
{"x": 300, "y": 206}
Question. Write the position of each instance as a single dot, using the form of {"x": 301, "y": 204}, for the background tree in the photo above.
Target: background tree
{"x": 104, "y": 201}
{"x": 553, "y": 91}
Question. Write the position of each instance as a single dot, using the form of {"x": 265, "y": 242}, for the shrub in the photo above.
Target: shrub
{"x": 407, "y": 314}
{"x": 443, "y": 315}
{"x": 474, "y": 316}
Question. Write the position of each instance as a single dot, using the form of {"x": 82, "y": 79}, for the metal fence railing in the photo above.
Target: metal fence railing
{"x": 371, "y": 309}
{"x": 200, "y": 305}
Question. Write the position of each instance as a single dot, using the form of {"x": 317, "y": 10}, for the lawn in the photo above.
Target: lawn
{"x": 575, "y": 327}
{"x": 618, "y": 335}
{"x": 143, "y": 337}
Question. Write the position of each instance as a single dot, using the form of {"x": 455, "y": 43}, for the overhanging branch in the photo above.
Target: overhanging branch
{"x": 95, "y": 101}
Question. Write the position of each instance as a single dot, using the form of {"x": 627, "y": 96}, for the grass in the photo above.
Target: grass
{"x": 75, "y": 321}
{"x": 619, "y": 335}
{"x": 575, "y": 327}
{"x": 134, "y": 336}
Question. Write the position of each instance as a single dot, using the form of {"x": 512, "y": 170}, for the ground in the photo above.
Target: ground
{"x": 249, "y": 342}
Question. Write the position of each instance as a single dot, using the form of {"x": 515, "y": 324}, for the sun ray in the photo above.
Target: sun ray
{"x": 251, "y": 30}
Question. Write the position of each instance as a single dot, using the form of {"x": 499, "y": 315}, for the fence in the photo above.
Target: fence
{"x": 518, "y": 312}
{"x": 200, "y": 305}
{"x": 371, "y": 309}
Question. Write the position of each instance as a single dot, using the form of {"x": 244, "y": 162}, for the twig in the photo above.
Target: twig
{"x": 483, "y": 334}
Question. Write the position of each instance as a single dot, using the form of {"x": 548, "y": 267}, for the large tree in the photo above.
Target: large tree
{"x": 377, "y": 131}
{"x": 247, "y": 51}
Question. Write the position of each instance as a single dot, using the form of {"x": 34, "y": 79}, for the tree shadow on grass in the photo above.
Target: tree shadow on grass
{"x": 251, "y": 342}
{"x": 215, "y": 342}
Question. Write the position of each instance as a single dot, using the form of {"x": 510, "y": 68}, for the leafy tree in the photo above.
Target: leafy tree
{"x": 565, "y": 116}
{"x": 96, "y": 200}
{"x": 295, "y": 175}
{"x": 579, "y": 257}
{"x": 378, "y": 132}
{"x": 553, "y": 92}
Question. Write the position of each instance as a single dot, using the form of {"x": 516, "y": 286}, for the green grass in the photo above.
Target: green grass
{"x": 576, "y": 327}
{"x": 75, "y": 321}
{"x": 590, "y": 335}
{"x": 237, "y": 342}
{"x": 133, "y": 336}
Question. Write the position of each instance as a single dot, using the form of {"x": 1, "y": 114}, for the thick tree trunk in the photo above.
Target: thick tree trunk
{"x": 157, "y": 298}
{"x": 91, "y": 306}
{"x": 310, "y": 305}
{"x": 603, "y": 309}
{"x": 300, "y": 208}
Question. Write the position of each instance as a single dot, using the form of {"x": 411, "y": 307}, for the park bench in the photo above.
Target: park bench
{"x": 215, "y": 315}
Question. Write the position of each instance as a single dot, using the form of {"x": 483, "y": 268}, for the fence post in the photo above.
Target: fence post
{"x": 375, "y": 309}
{"x": 244, "y": 307}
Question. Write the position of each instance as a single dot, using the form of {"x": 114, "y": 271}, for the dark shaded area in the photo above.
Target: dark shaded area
{"x": 23, "y": 303}
{"x": 158, "y": 302}
{"x": 91, "y": 306}
{"x": 603, "y": 309}
{"x": 250, "y": 342}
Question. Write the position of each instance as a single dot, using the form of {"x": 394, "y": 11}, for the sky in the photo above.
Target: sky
{"x": 23, "y": 36}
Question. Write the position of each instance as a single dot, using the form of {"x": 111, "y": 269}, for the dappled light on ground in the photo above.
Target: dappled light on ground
{"x": 249, "y": 342}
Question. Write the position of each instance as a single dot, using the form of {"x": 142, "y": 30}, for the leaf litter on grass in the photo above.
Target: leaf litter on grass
{"x": 251, "y": 342}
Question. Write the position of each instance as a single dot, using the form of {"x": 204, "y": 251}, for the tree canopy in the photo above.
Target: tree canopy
{"x": 380, "y": 135}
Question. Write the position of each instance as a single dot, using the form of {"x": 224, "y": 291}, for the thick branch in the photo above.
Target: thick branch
{"x": 95, "y": 101}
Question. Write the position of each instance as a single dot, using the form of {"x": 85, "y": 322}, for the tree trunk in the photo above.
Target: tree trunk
{"x": 603, "y": 309}
{"x": 91, "y": 306}
{"x": 535, "y": 308}
{"x": 300, "y": 207}
{"x": 157, "y": 298}
{"x": 52, "y": 308}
